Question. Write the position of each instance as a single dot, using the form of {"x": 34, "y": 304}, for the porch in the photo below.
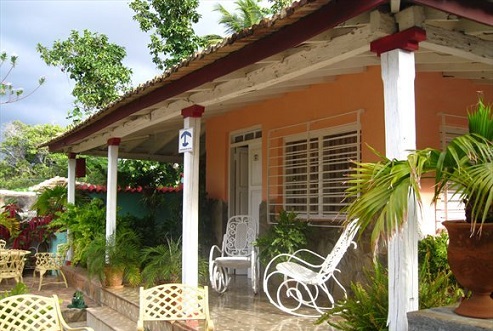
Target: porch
{"x": 236, "y": 310}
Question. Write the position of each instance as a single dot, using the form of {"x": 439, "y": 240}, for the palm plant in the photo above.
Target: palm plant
{"x": 248, "y": 13}
{"x": 162, "y": 263}
{"x": 120, "y": 252}
{"x": 381, "y": 190}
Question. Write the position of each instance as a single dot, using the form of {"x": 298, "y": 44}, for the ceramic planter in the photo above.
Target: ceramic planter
{"x": 471, "y": 262}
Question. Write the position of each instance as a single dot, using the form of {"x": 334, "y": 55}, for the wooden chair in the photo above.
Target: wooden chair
{"x": 174, "y": 302}
{"x": 12, "y": 264}
{"x": 29, "y": 312}
{"x": 50, "y": 261}
{"x": 302, "y": 282}
{"x": 3, "y": 243}
{"x": 237, "y": 252}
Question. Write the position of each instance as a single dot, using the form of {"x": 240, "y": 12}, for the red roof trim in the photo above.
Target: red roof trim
{"x": 407, "y": 40}
{"x": 102, "y": 189}
{"x": 480, "y": 11}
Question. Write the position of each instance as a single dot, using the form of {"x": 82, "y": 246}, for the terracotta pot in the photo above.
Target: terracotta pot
{"x": 471, "y": 262}
{"x": 113, "y": 277}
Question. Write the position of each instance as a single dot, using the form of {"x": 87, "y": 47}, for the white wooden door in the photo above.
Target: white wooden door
{"x": 241, "y": 181}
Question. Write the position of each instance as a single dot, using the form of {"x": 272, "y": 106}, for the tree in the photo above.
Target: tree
{"x": 150, "y": 174}
{"x": 170, "y": 21}
{"x": 22, "y": 163}
{"x": 95, "y": 65}
{"x": 7, "y": 90}
{"x": 248, "y": 13}
{"x": 278, "y": 5}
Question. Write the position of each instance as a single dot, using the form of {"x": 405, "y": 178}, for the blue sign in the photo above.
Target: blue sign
{"x": 185, "y": 140}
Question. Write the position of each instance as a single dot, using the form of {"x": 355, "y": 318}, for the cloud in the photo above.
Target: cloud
{"x": 24, "y": 24}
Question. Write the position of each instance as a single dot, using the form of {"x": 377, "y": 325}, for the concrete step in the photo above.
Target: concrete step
{"x": 107, "y": 319}
{"x": 444, "y": 318}
{"x": 124, "y": 301}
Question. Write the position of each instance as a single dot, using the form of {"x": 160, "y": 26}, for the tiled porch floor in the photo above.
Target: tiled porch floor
{"x": 236, "y": 310}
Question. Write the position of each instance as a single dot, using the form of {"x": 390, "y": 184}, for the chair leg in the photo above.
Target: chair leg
{"x": 41, "y": 274}
{"x": 63, "y": 276}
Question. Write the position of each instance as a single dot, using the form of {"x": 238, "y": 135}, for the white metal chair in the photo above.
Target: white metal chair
{"x": 50, "y": 261}
{"x": 31, "y": 312}
{"x": 302, "y": 282}
{"x": 174, "y": 302}
{"x": 237, "y": 252}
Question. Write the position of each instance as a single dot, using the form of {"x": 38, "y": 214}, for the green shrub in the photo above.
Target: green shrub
{"x": 367, "y": 308}
{"x": 83, "y": 223}
{"x": 287, "y": 236}
{"x": 19, "y": 288}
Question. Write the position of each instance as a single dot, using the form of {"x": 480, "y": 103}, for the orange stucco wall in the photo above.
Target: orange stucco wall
{"x": 434, "y": 95}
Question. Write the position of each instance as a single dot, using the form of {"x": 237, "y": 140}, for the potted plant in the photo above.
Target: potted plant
{"x": 115, "y": 259}
{"x": 287, "y": 236}
{"x": 162, "y": 263}
{"x": 381, "y": 191}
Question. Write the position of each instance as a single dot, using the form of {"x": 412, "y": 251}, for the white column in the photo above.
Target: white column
{"x": 398, "y": 73}
{"x": 71, "y": 179}
{"x": 70, "y": 195}
{"x": 111, "y": 186}
{"x": 190, "y": 237}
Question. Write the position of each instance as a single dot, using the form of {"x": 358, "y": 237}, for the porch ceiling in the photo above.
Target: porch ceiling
{"x": 457, "y": 48}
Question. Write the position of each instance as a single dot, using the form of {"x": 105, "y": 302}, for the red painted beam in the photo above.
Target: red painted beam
{"x": 480, "y": 11}
{"x": 328, "y": 16}
{"x": 407, "y": 40}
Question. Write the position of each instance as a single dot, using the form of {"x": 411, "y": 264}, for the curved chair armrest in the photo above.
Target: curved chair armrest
{"x": 215, "y": 251}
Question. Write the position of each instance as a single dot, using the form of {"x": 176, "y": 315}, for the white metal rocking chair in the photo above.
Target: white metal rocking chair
{"x": 303, "y": 282}
{"x": 237, "y": 252}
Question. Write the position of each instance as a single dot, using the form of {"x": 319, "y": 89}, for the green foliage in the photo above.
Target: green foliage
{"x": 51, "y": 200}
{"x": 162, "y": 263}
{"x": 19, "y": 288}
{"x": 95, "y": 65}
{"x": 434, "y": 250}
{"x": 22, "y": 162}
{"x": 9, "y": 221}
{"x": 367, "y": 308}
{"x": 247, "y": 13}
{"x": 287, "y": 236}
{"x": 148, "y": 174}
{"x": 380, "y": 191}
{"x": 278, "y": 5}
{"x": 8, "y": 92}
{"x": 83, "y": 222}
{"x": 171, "y": 25}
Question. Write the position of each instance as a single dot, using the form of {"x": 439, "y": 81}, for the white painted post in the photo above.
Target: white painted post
{"x": 71, "y": 179}
{"x": 70, "y": 194}
{"x": 111, "y": 186}
{"x": 398, "y": 73}
{"x": 190, "y": 237}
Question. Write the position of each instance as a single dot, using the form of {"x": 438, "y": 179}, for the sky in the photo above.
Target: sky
{"x": 25, "y": 23}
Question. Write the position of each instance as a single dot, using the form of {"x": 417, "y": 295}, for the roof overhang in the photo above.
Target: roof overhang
{"x": 311, "y": 42}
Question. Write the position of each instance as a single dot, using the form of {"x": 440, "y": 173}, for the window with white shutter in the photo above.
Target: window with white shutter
{"x": 307, "y": 170}
{"x": 449, "y": 205}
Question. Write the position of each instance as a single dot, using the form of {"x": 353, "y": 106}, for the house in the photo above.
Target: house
{"x": 281, "y": 109}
